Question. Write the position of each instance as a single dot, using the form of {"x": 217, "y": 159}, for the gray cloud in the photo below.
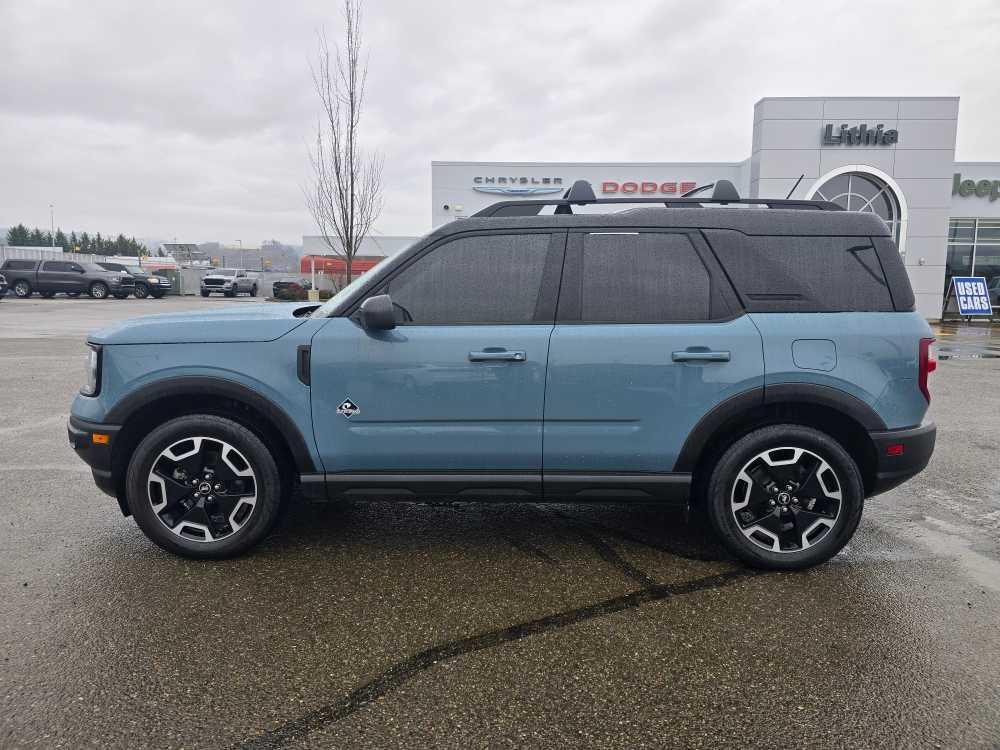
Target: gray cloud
{"x": 192, "y": 119}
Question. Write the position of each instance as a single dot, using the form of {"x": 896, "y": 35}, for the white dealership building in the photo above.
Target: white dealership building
{"x": 892, "y": 156}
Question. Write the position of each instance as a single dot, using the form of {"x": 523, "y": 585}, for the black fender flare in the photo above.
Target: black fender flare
{"x": 206, "y": 385}
{"x": 772, "y": 395}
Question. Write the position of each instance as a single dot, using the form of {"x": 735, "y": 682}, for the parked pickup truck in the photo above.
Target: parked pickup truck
{"x": 147, "y": 283}
{"x": 3, "y": 286}
{"x": 229, "y": 281}
{"x": 50, "y": 277}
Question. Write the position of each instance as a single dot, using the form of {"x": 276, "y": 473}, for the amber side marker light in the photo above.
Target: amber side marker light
{"x": 100, "y": 438}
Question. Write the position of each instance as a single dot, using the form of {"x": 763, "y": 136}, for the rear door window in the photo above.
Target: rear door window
{"x": 642, "y": 277}
{"x": 56, "y": 266}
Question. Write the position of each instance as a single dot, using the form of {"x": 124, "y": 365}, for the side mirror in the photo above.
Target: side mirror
{"x": 377, "y": 313}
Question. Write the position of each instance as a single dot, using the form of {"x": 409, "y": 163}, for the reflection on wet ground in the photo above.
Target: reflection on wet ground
{"x": 968, "y": 340}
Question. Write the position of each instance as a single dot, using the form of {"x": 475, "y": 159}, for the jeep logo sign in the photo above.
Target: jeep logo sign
{"x": 979, "y": 188}
{"x": 859, "y": 135}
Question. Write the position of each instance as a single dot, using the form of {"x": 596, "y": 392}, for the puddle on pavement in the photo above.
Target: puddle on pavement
{"x": 967, "y": 340}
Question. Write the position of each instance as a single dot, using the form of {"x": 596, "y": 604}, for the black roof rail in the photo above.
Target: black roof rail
{"x": 582, "y": 194}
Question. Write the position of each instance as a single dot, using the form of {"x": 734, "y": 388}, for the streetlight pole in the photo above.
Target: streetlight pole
{"x": 52, "y": 225}
{"x": 242, "y": 259}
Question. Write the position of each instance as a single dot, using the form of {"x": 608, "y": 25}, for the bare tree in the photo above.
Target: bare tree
{"x": 345, "y": 194}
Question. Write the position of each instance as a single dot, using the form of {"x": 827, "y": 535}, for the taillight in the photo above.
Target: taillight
{"x": 928, "y": 364}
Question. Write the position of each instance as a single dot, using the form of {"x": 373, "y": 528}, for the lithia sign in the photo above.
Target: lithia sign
{"x": 859, "y": 135}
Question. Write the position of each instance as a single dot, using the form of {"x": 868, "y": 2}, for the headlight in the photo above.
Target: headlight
{"x": 153, "y": 280}
{"x": 93, "y": 382}
{"x": 228, "y": 283}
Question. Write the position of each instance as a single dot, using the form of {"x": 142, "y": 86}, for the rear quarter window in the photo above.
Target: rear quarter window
{"x": 804, "y": 274}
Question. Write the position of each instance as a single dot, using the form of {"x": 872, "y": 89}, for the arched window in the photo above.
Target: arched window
{"x": 859, "y": 191}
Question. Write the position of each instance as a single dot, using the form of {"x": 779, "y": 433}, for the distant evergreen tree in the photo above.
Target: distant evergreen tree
{"x": 36, "y": 239}
{"x": 74, "y": 242}
{"x": 85, "y": 243}
{"x": 18, "y": 235}
{"x": 61, "y": 240}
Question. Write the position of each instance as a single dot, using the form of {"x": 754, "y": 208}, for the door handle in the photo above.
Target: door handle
{"x": 701, "y": 355}
{"x": 497, "y": 355}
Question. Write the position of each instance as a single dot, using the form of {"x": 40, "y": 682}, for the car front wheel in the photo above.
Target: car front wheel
{"x": 141, "y": 291}
{"x": 785, "y": 497}
{"x": 204, "y": 486}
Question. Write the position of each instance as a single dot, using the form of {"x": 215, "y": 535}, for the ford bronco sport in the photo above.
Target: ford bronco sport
{"x": 760, "y": 358}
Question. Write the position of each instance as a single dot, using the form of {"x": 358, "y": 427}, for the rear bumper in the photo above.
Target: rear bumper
{"x": 96, "y": 455}
{"x": 894, "y": 464}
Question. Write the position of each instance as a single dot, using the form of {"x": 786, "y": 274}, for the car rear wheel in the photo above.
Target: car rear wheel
{"x": 204, "y": 486}
{"x": 22, "y": 289}
{"x": 785, "y": 497}
{"x": 141, "y": 291}
{"x": 99, "y": 290}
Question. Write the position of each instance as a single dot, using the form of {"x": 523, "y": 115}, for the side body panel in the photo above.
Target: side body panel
{"x": 872, "y": 356}
{"x": 422, "y": 404}
{"x": 616, "y": 399}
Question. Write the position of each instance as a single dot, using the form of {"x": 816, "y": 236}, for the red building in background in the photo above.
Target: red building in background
{"x": 334, "y": 266}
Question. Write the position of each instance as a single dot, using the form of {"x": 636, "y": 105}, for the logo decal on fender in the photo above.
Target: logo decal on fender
{"x": 348, "y": 408}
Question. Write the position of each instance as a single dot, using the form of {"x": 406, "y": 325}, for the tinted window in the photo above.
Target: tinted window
{"x": 643, "y": 277}
{"x": 806, "y": 273}
{"x": 492, "y": 278}
{"x": 56, "y": 265}
{"x": 19, "y": 265}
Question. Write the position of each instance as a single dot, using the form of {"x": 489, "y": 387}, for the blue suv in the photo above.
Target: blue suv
{"x": 760, "y": 359}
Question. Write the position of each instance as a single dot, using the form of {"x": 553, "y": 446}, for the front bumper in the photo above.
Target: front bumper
{"x": 96, "y": 452}
{"x": 901, "y": 455}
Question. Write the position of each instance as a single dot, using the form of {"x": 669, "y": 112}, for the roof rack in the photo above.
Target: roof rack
{"x": 582, "y": 194}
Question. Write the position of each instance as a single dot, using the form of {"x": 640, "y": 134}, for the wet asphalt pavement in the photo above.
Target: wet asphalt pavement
{"x": 379, "y": 624}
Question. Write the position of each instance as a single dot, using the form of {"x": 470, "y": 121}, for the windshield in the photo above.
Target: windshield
{"x": 133, "y": 269}
{"x": 331, "y": 304}
{"x": 224, "y": 272}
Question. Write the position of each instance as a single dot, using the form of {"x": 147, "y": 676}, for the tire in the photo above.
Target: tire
{"x": 141, "y": 291}
{"x": 156, "y": 295}
{"x": 48, "y": 295}
{"x": 98, "y": 290}
{"x": 777, "y": 529}
{"x": 229, "y": 294}
{"x": 22, "y": 289}
{"x": 121, "y": 295}
{"x": 253, "y": 291}
{"x": 229, "y": 535}
{"x": 204, "y": 293}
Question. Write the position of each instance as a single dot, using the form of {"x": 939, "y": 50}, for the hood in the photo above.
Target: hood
{"x": 263, "y": 322}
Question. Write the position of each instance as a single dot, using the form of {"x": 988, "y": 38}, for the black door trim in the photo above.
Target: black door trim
{"x": 498, "y": 485}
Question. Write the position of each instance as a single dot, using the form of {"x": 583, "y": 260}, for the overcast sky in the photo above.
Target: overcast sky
{"x": 192, "y": 119}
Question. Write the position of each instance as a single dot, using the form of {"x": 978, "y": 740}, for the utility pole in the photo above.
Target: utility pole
{"x": 52, "y": 224}
{"x": 242, "y": 259}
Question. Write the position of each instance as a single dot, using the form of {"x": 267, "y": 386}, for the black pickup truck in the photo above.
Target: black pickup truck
{"x": 52, "y": 277}
{"x": 147, "y": 283}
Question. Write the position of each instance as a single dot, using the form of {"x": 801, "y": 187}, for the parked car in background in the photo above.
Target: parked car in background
{"x": 147, "y": 284}
{"x": 764, "y": 363}
{"x": 230, "y": 282}
{"x": 3, "y": 286}
{"x": 290, "y": 282}
{"x": 994, "y": 291}
{"x": 52, "y": 277}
